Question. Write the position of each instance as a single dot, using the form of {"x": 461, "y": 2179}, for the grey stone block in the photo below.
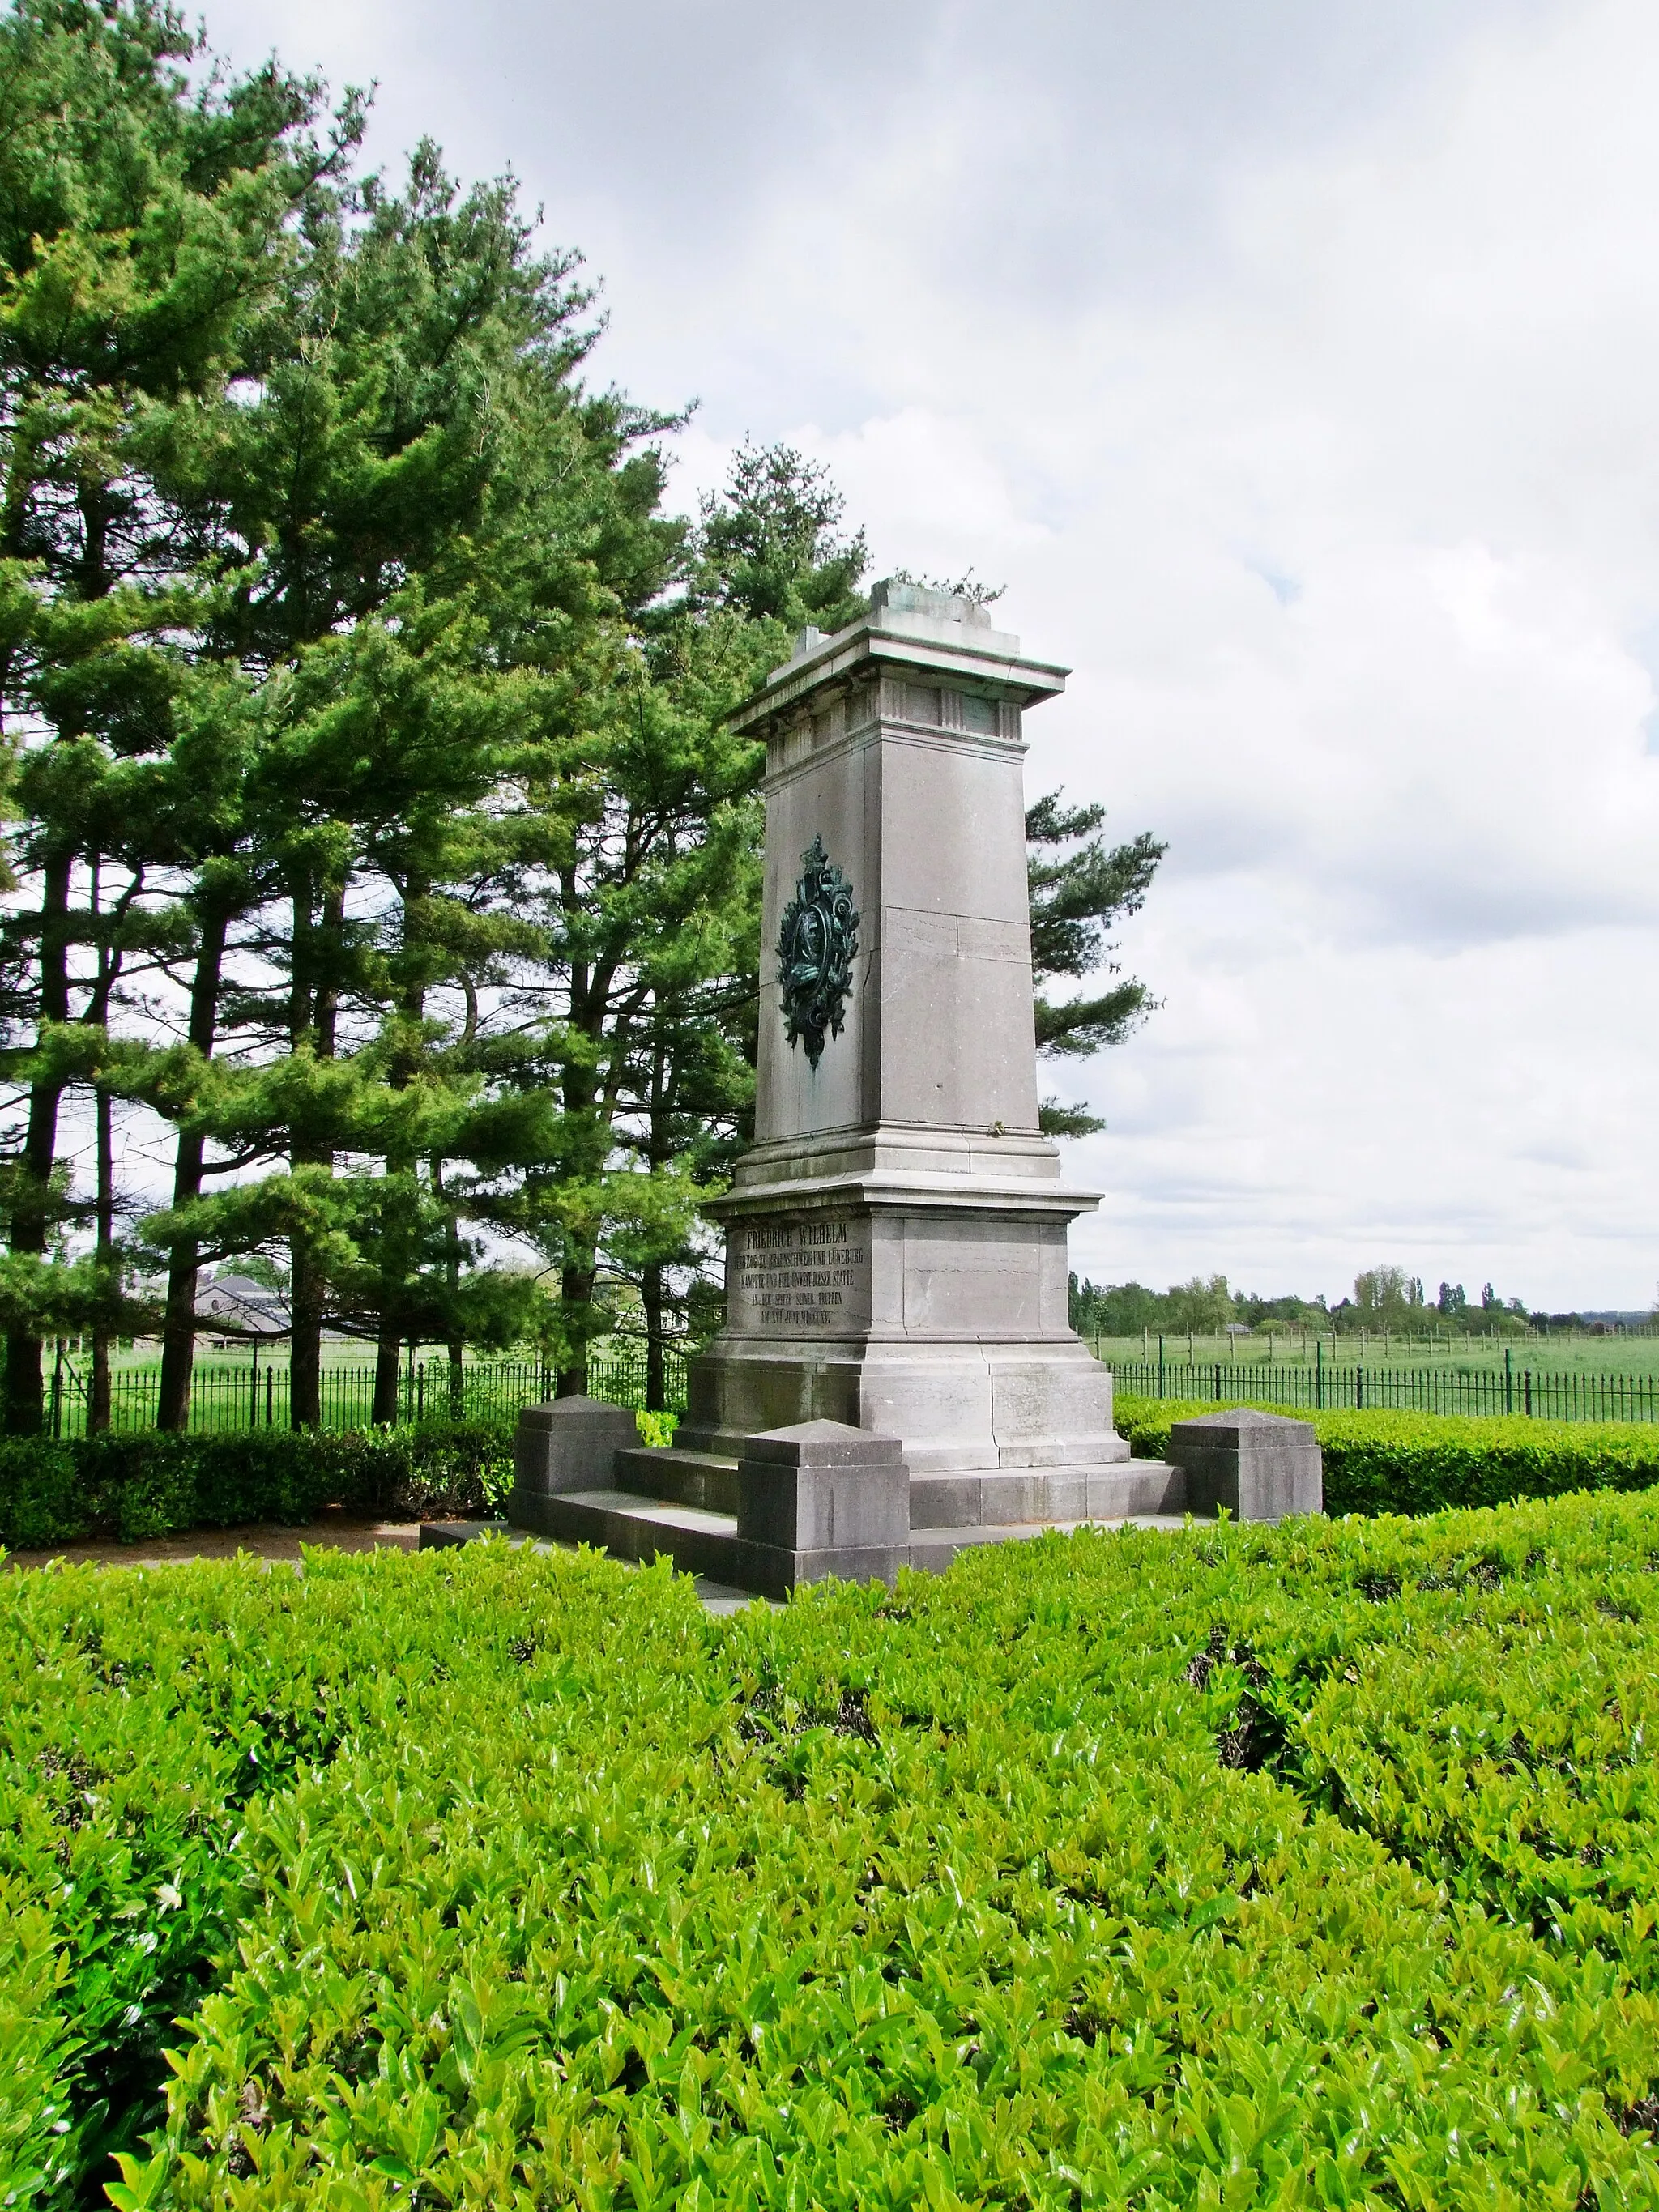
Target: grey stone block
{"x": 571, "y": 1443}
{"x": 1007, "y": 1499}
{"x": 1136, "y": 1486}
{"x": 443, "y": 1535}
{"x": 944, "y": 1501}
{"x": 1260, "y": 1467}
{"x": 822, "y": 1488}
{"x": 1066, "y": 1494}
{"x": 683, "y": 1477}
{"x": 773, "y": 1571}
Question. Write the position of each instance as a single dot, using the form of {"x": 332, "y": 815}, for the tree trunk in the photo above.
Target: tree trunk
{"x": 98, "y": 1403}
{"x": 576, "y": 1289}
{"x": 178, "y": 1327}
{"x": 386, "y": 1349}
{"x": 32, "y": 1211}
{"x": 308, "y": 1293}
{"x": 304, "y": 1356}
{"x": 651, "y": 1285}
{"x": 455, "y": 1341}
{"x": 97, "y": 1015}
{"x": 651, "y": 1298}
{"x": 417, "y": 891}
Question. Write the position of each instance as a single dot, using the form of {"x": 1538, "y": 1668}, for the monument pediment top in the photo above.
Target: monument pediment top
{"x": 909, "y": 627}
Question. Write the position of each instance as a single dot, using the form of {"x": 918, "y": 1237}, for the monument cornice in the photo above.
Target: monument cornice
{"x": 884, "y": 1191}
{"x": 981, "y": 743}
{"x": 988, "y": 662}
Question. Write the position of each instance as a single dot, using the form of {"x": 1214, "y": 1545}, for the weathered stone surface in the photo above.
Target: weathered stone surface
{"x": 569, "y": 1444}
{"x": 775, "y": 1572}
{"x": 1118, "y": 1491}
{"x": 824, "y": 1486}
{"x": 1260, "y": 1467}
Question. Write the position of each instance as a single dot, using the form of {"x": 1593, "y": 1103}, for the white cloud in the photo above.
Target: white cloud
{"x": 1294, "y": 368}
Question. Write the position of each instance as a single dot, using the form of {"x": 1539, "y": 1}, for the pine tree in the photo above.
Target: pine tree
{"x": 381, "y": 831}
{"x": 141, "y": 226}
{"x": 1079, "y": 895}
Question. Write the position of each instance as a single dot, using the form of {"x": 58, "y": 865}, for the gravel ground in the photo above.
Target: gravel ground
{"x": 342, "y": 1531}
{"x": 262, "y": 1540}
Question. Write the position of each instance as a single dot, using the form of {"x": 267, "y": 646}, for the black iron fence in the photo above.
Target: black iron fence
{"x": 253, "y": 1392}
{"x": 1511, "y": 1388}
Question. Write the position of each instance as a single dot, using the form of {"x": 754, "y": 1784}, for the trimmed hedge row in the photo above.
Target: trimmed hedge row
{"x": 1300, "y": 1868}
{"x": 1425, "y": 1462}
{"x": 123, "y": 1488}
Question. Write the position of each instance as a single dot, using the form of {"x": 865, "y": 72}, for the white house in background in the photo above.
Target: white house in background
{"x": 239, "y": 1304}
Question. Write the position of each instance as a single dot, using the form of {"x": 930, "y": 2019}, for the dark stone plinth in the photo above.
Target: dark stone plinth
{"x": 571, "y": 1443}
{"x": 1260, "y": 1467}
{"x": 821, "y": 1499}
{"x": 440, "y": 1535}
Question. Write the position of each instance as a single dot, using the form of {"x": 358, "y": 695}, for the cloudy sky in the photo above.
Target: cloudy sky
{"x": 1296, "y": 367}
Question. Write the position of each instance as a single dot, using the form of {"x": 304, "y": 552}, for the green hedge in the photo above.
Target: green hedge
{"x": 123, "y": 1488}
{"x": 1300, "y": 1867}
{"x": 126, "y": 1488}
{"x": 1425, "y": 1462}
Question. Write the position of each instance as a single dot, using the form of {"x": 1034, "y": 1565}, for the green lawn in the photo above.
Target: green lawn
{"x": 1580, "y": 1355}
{"x": 1315, "y": 1866}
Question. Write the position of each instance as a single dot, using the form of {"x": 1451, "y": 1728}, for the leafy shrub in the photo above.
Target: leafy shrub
{"x": 1311, "y": 1866}
{"x": 141, "y": 1716}
{"x": 1386, "y": 1463}
{"x": 129, "y": 1487}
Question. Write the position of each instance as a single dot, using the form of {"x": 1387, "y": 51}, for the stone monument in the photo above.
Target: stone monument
{"x": 896, "y": 1238}
{"x": 897, "y": 1378}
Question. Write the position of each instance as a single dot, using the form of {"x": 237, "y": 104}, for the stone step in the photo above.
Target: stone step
{"x": 706, "y": 1543}
{"x": 630, "y": 1527}
{"x": 1024, "y": 1498}
{"x": 683, "y": 1477}
{"x": 932, "y": 1549}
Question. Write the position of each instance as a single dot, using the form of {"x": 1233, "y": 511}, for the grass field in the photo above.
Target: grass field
{"x": 1307, "y": 1866}
{"x": 228, "y": 1394}
{"x": 1584, "y": 1355}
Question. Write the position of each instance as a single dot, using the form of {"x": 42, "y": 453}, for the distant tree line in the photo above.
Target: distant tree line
{"x": 383, "y": 904}
{"x": 1385, "y": 1299}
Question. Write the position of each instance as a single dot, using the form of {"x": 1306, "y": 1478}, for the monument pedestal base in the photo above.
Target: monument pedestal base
{"x": 917, "y": 1294}
{"x": 959, "y": 1408}
{"x": 819, "y": 1499}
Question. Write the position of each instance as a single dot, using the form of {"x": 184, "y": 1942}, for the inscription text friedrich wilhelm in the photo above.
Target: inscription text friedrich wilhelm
{"x": 794, "y": 1270}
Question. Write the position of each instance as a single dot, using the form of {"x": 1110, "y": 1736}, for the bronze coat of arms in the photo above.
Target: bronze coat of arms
{"x": 817, "y": 941}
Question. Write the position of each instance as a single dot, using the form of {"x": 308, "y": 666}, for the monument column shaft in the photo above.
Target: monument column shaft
{"x": 916, "y": 791}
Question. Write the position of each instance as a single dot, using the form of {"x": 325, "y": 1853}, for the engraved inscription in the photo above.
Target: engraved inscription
{"x": 793, "y": 1274}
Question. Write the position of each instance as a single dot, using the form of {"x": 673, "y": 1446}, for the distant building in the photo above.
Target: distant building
{"x": 242, "y": 1306}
